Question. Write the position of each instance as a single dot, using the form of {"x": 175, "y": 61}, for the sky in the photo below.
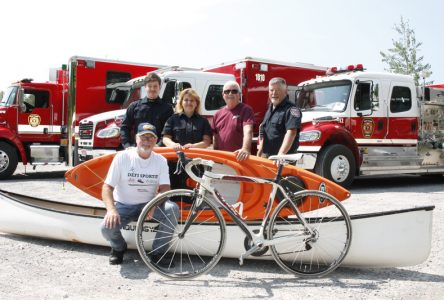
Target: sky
{"x": 37, "y": 35}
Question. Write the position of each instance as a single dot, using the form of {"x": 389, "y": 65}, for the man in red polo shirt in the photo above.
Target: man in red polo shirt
{"x": 233, "y": 124}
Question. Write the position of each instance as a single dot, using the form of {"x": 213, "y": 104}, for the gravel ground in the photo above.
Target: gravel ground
{"x": 46, "y": 269}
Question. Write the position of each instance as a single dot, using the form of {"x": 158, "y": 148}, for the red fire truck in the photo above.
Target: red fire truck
{"x": 37, "y": 119}
{"x": 363, "y": 123}
{"x": 100, "y": 134}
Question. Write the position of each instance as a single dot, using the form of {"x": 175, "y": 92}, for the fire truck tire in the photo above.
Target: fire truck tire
{"x": 337, "y": 163}
{"x": 8, "y": 160}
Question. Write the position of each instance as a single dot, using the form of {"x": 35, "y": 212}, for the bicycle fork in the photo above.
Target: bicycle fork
{"x": 193, "y": 214}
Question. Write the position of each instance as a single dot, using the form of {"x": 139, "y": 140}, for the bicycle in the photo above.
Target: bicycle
{"x": 308, "y": 243}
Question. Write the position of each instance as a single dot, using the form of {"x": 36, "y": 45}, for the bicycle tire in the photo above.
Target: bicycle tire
{"x": 194, "y": 254}
{"x": 317, "y": 254}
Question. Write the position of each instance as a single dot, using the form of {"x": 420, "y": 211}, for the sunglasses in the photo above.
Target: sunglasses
{"x": 234, "y": 92}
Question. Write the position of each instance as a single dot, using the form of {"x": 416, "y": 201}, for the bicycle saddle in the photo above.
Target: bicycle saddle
{"x": 287, "y": 157}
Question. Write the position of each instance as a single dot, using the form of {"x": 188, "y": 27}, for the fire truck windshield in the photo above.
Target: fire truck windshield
{"x": 324, "y": 96}
{"x": 9, "y": 96}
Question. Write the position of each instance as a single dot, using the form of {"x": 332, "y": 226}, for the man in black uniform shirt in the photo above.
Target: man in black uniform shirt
{"x": 150, "y": 109}
{"x": 281, "y": 125}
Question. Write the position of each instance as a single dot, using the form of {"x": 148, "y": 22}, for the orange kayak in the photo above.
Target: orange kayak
{"x": 90, "y": 175}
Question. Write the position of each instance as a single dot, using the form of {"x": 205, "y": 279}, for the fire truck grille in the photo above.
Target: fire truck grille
{"x": 86, "y": 130}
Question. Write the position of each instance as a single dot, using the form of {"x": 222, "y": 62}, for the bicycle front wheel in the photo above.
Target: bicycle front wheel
{"x": 314, "y": 249}
{"x": 171, "y": 248}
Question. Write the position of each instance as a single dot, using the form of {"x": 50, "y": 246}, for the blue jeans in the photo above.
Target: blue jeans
{"x": 167, "y": 216}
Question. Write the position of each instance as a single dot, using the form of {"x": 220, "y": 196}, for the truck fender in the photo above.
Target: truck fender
{"x": 11, "y": 138}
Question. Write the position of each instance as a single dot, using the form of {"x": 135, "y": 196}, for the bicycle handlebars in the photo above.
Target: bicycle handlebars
{"x": 188, "y": 164}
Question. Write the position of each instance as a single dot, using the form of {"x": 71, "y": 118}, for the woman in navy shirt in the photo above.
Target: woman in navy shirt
{"x": 187, "y": 128}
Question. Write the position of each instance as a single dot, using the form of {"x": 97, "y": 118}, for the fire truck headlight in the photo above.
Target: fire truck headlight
{"x": 309, "y": 136}
{"x": 110, "y": 132}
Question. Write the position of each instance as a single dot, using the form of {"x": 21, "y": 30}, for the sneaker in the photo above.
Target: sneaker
{"x": 165, "y": 262}
{"x": 116, "y": 257}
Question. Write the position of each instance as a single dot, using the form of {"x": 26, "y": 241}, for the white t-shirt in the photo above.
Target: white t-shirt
{"x": 136, "y": 180}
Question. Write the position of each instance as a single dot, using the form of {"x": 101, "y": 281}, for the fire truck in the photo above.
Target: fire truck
{"x": 357, "y": 122}
{"x": 38, "y": 119}
{"x": 100, "y": 134}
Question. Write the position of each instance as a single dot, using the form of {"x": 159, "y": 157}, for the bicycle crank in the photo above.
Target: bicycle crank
{"x": 248, "y": 245}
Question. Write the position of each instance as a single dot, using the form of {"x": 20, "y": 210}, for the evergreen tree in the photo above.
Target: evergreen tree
{"x": 403, "y": 57}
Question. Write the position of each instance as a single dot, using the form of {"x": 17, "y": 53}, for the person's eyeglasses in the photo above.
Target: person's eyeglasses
{"x": 234, "y": 92}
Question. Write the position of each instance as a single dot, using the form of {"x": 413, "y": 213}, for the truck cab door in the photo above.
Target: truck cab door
{"x": 403, "y": 113}
{"x": 369, "y": 120}
{"x": 36, "y": 116}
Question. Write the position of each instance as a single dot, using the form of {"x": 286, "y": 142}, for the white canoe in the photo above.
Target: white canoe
{"x": 386, "y": 239}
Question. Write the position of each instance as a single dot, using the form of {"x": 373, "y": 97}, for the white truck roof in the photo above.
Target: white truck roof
{"x": 353, "y": 75}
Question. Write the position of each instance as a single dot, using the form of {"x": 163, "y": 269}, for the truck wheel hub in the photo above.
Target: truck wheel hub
{"x": 4, "y": 160}
{"x": 340, "y": 168}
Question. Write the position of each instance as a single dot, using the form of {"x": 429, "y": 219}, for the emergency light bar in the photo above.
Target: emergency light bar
{"x": 350, "y": 68}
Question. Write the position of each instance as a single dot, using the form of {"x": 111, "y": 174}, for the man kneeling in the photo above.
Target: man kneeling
{"x": 134, "y": 178}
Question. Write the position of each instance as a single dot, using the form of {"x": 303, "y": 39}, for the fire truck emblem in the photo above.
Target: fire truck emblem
{"x": 34, "y": 120}
{"x": 367, "y": 128}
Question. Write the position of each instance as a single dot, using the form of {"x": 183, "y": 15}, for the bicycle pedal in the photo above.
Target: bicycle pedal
{"x": 241, "y": 261}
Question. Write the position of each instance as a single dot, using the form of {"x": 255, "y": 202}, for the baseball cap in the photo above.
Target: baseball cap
{"x": 144, "y": 128}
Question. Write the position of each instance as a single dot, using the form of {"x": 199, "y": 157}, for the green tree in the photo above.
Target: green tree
{"x": 403, "y": 57}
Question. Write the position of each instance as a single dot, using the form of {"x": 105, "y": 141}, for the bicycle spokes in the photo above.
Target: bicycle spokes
{"x": 191, "y": 250}
{"x": 314, "y": 246}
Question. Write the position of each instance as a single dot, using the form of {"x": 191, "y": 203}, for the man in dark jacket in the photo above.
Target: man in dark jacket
{"x": 281, "y": 125}
{"x": 150, "y": 109}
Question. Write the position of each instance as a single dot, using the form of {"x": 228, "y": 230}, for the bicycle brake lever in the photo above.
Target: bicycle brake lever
{"x": 179, "y": 167}
{"x": 180, "y": 162}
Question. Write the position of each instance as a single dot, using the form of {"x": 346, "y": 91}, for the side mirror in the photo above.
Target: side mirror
{"x": 375, "y": 97}
{"x": 178, "y": 87}
{"x": 427, "y": 94}
{"x": 113, "y": 96}
{"x": 118, "y": 96}
{"x": 21, "y": 101}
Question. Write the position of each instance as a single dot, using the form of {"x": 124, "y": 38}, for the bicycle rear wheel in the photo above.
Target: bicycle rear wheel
{"x": 317, "y": 253}
{"x": 163, "y": 246}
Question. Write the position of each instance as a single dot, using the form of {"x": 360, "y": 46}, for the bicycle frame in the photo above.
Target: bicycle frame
{"x": 258, "y": 239}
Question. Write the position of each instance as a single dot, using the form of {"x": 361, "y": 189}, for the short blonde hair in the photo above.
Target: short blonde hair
{"x": 193, "y": 95}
